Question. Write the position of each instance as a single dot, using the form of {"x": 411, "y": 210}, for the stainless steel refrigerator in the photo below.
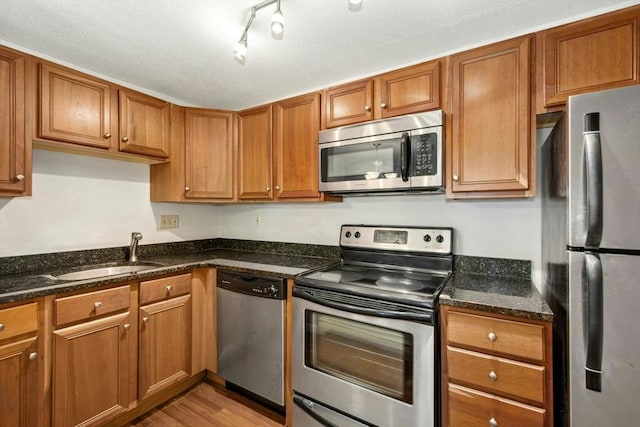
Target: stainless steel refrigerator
{"x": 591, "y": 254}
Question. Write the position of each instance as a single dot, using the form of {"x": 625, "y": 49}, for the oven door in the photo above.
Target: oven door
{"x": 377, "y": 369}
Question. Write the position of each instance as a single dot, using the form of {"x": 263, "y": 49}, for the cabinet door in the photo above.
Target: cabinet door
{"x": 296, "y": 126}
{"x": 90, "y": 371}
{"x": 590, "y": 55}
{"x": 74, "y": 108}
{"x": 18, "y": 383}
{"x": 144, "y": 124}
{"x": 349, "y": 103}
{"x": 165, "y": 344}
{"x": 410, "y": 90}
{"x": 14, "y": 147}
{"x": 489, "y": 148}
{"x": 255, "y": 155}
{"x": 208, "y": 154}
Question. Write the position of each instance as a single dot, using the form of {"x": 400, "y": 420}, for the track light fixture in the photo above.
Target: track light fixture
{"x": 277, "y": 27}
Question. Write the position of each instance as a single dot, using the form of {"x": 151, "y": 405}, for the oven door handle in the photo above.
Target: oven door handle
{"x": 307, "y": 407}
{"x": 419, "y": 317}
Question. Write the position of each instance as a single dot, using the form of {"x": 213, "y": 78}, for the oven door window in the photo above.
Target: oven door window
{"x": 370, "y": 356}
{"x": 367, "y": 159}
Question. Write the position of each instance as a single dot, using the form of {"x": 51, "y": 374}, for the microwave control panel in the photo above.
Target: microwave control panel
{"x": 424, "y": 160}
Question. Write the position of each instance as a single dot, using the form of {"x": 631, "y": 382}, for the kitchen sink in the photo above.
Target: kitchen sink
{"x": 107, "y": 270}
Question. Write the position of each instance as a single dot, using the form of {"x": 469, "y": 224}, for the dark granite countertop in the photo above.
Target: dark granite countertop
{"x": 40, "y": 280}
{"x": 512, "y": 296}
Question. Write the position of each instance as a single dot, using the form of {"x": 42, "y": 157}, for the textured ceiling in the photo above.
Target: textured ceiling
{"x": 182, "y": 50}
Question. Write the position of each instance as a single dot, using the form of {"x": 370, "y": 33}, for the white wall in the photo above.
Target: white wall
{"x": 82, "y": 202}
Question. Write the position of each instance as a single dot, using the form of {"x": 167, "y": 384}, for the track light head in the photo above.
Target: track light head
{"x": 240, "y": 52}
{"x": 277, "y": 22}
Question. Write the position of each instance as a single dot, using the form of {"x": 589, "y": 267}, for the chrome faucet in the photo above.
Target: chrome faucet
{"x": 133, "y": 247}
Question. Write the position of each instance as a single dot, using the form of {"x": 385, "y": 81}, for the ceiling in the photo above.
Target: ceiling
{"x": 182, "y": 50}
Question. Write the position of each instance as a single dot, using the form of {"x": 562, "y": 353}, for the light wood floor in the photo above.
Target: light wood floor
{"x": 209, "y": 406}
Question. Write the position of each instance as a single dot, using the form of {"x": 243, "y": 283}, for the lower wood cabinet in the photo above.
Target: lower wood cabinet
{"x": 164, "y": 352}
{"x": 91, "y": 371}
{"x": 20, "y": 398}
{"x": 496, "y": 370}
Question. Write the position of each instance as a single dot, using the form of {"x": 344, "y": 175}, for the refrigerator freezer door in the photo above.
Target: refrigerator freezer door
{"x": 604, "y": 169}
{"x": 604, "y": 339}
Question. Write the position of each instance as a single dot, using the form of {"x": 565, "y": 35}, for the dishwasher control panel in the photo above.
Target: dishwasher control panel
{"x": 251, "y": 284}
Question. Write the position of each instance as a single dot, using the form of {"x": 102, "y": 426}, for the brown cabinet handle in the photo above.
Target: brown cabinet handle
{"x": 367, "y": 108}
{"x": 383, "y": 105}
{"x": 491, "y": 336}
{"x": 455, "y": 178}
{"x": 33, "y": 356}
{"x": 19, "y": 177}
{"x": 145, "y": 319}
{"x": 125, "y": 139}
{"x": 107, "y": 135}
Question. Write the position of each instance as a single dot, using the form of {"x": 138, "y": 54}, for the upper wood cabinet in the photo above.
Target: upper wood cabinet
{"x": 255, "y": 154}
{"x": 75, "y": 108}
{"x": 15, "y": 139}
{"x": 589, "y": 55}
{"x": 405, "y": 91}
{"x": 208, "y": 154}
{"x": 489, "y": 144}
{"x": 295, "y": 142}
{"x": 144, "y": 124}
{"x": 201, "y": 169}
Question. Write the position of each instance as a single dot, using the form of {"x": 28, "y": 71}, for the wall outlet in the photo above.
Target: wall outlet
{"x": 169, "y": 221}
{"x": 258, "y": 221}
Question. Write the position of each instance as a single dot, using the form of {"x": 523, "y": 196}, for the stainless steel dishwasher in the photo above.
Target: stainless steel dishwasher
{"x": 250, "y": 317}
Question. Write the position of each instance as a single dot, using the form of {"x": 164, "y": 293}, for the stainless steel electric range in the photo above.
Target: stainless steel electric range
{"x": 365, "y": 330}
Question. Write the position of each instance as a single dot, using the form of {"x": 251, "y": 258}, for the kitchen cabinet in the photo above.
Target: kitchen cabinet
{"x": 496, "y": 369}
{"x": 405, "y": 91}
{"x": 80, "y": 113}
{"x": 15, "y": 138}
{"x": 20, "y": 396}
{"x": 278, "y": 151}
{"x": 75, "y": 108}
{"x": 201, "y": 169}
{"x": 91, "y": 357}
{"x": 593, "y": 54}
{"x": 255, "y": 154}
{"x": 209, "y": 154}
{"x": 144, "y": 124}
{"x": 165, "y": 333}
{"x": 490, "y": 144}
{"x": 296, "y": 124}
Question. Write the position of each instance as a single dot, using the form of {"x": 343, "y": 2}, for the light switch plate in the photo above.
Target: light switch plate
{"x": 169, "y": 221}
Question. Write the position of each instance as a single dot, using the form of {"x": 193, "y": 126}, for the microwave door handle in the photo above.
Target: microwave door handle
{"x": 405, "y": 145}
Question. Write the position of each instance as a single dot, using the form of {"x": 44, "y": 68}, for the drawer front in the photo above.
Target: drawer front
{"x": 91, "y": 305}
{"x": 167, "y": 287}
{"x": 497, "y": 375}
{"x": 18, "y": 320}
{"x": 469, "y": 407}
{"x": 506, "y": 337}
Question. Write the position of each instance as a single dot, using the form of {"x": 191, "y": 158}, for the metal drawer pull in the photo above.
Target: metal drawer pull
{"x": 126, "y": 326}
{"x": 367, "y": 108}
{"x": 107, "y": 135}
{"x": 20, "y": 177}
{"x": 33, "y": 356}
{"x": 492, "y": 337}
{"x": 145, "y": 319}
{"x": 169, "y": 288}
{"x": 97, "y": 305}
{"x": 125, "y": 139}
{"x": 493, "y": 422}
{"x": 493, "y": 376}
{"x": 1, "y": 327}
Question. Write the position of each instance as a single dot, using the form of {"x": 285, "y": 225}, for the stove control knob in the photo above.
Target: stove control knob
{"x": 347, "y": 234}
{"x": 439, "y": 238}
{"x": 426, "y": 238}
{"x": 271, "y": 290}
{"x": 357, "y": 235}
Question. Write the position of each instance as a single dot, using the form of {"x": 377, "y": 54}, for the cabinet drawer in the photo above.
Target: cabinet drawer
{"x": 496, "y": 335}
{"x": 18, "y": 320}
{"x": 469, "y": 407}
{"x": 90, "y": 305}
{"x": 167, "y": 287}
{"x": 502, "y": 376}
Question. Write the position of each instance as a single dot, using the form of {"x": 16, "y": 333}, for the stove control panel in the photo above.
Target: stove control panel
{"x": 437, "y": 240}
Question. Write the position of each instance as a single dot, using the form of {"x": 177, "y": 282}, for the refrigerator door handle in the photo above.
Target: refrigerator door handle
{"x": 592, "y": 179}
{"x": 593, "y": 321}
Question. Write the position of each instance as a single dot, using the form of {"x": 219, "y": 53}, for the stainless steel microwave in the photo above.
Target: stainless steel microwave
{"x": 402, "y": 153}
